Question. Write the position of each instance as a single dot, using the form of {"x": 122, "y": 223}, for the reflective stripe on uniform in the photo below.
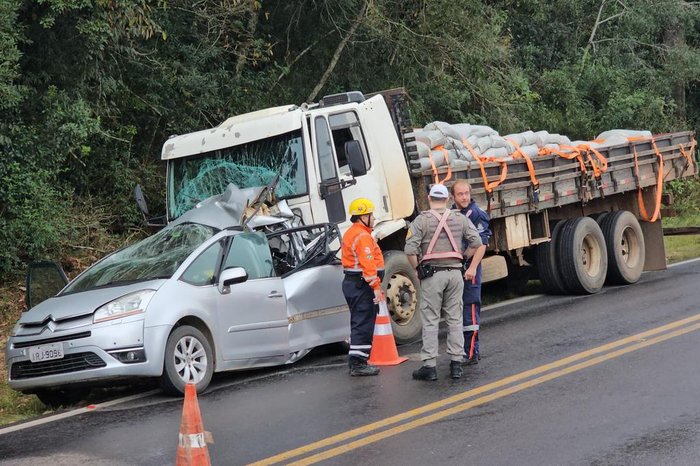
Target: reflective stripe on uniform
{"x": 354, "y": 252}
{"x": 470, "y": 328}
{"x": 360, "y": 346}
{"x": 358, "y": 353}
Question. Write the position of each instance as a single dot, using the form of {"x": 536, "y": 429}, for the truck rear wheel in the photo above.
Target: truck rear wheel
{"x": 402, "y": 289}
{"x": 582, "y": 256}
{"x": 547, "y": 267}
{"x": 625, "y": 243}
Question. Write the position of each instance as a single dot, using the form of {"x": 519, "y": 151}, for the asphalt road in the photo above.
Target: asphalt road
{"x": 606, "y": 379}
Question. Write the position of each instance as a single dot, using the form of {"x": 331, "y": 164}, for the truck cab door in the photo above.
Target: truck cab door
{"x": 330, "y": 185}
{"x": 333, "y": 133}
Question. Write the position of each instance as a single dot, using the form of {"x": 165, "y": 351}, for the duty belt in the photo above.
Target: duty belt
{"x": 438, "y": 268}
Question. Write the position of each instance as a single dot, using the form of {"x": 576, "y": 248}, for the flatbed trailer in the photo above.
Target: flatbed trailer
{"x": 523, "y": 212}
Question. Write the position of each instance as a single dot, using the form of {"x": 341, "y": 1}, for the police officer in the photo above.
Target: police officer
{"x": 436, "y": 238}
{"x": 363, "y": 265}
{"x": 471, "y": 298}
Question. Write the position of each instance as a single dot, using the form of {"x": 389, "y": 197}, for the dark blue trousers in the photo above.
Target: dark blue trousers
{"x": 363, "y": 314}
{"x": 471, "y": 298}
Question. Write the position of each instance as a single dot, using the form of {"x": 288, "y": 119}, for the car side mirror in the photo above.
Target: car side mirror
{"x": 231, "y": 276}
{"x": 356, "y": 160}
{"x": 44, "y": 280}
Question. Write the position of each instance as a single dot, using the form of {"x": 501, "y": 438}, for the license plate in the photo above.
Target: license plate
{"x": 46, "y": 352}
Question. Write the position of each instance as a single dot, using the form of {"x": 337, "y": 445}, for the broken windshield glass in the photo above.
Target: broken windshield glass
{"x": 158, "y": 256}
{"x": 193, "y": 179}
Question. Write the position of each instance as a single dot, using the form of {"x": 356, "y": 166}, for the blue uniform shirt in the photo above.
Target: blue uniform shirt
{"x": 480, "y": 219}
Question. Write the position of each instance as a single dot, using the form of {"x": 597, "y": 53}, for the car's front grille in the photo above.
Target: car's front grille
{"x": 70, "y": 363}
{"x": 45, "y": 341}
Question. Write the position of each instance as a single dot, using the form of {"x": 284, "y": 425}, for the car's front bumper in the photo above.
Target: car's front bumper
{"x": 87, "y": 358}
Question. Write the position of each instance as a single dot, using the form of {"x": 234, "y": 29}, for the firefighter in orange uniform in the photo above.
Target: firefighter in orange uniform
{"x": 363, "y": 265}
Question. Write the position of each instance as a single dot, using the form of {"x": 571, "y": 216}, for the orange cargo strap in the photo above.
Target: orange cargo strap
{"x": 574, "y": 154}
{"x": 436, "y": 175}
{"x": 659, "y": 182}
{"x": 688, "y": 154}
{"x": 598, "y": 167}
{"x": 480, "y": 160}
{"x": 531, "y": 168}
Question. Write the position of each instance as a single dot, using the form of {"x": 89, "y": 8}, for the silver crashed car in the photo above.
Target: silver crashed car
{"x": 216, "y": 290}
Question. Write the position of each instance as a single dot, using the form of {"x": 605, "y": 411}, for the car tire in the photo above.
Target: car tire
{"x": 188, "y": 359}
{"x": 55, "y": 398}
{"x": 582, "y": 256}
{"x": 625, "y": 243}
{"x": 402, "y": 289}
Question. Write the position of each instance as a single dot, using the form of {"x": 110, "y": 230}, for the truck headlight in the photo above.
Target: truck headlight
{"x": 127, "y": 305}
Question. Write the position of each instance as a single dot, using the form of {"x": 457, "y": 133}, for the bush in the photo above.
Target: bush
{"x": 686, "y": 196}
{"x": 33, "y": 220}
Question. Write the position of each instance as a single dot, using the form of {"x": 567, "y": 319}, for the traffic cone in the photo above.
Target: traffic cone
{"x": 192, "y": 447}
{"x": 384, "y": 351}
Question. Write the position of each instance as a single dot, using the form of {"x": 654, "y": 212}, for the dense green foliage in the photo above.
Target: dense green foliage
{"x": 90, "y": 89}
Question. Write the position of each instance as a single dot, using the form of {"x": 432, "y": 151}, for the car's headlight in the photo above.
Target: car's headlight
{"x": 127, "y": 305}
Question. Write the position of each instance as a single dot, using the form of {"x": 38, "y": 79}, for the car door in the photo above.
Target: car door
{"x": 253, "y": 319}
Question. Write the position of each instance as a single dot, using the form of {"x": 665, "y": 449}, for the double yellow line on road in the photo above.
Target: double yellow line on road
{"x": 456, "y": 404}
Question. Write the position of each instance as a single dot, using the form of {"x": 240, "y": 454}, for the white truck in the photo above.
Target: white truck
{"x": 576, "y": 226}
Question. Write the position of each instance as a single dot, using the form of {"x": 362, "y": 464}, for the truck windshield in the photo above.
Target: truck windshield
{"x": 193, "y": 179}
{"x": 158, "y": 256}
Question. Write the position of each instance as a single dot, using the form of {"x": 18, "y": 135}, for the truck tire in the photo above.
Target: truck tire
{"x": 188, "y": 359}
{"x": 547, "y": 267}
{"x": 625, "y": 243}
{"x": 402, "y": 289}
{"x": 582, "y": 257}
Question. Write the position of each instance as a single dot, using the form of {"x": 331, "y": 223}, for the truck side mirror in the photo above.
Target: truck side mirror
{"x": 44, "y": 280}
{"x": 356, "y": 160}
{"x": 141, "y": 200}
{"x": 143, "y": 207}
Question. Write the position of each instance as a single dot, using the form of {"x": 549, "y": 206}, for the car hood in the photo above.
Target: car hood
{"x": 73, "y": 305}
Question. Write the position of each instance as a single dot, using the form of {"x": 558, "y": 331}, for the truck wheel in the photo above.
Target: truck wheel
{"x": 625, "y": 243}
{"x": 55, "y": 398}
{"x": 402, "y": 289}
{"x": 188, "y": 359}
{"x": 547, "y": 263}
{"x": 582, "y": 256}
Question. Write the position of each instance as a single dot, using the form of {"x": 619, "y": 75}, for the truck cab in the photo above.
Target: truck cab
{"x": 312, "y": 148}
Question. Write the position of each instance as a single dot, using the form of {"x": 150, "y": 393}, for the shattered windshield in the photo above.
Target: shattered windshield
{"x": 158, "y": 256}
{"x": 193, "y": 179}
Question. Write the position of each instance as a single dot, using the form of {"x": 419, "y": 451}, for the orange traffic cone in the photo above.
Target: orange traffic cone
{"x": 192, "y": 447}
{"x": 384, "y": 351}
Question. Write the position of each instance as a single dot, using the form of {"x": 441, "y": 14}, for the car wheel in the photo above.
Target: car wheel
{"x": 55, "y": 398}
{"x": 188, "y": 359}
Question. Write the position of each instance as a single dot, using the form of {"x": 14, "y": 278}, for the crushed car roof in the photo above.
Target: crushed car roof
{"x": 237, "y": 208}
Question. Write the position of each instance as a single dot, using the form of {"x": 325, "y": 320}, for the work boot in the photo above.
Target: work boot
{"x": 470, "y": 362}
{"x": 456, "y": 369}
{"x": 425, "y": 373}
{"x": 361, "y": 369}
